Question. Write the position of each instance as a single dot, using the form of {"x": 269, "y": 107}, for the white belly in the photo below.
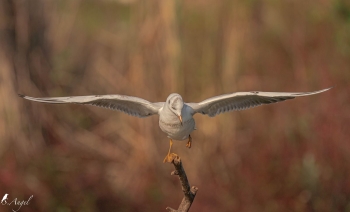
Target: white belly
{"x": 177, "y": 131}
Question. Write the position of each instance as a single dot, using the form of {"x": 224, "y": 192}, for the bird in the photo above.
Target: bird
{"x": 176, "y": 116}
{"x": 4, "y": 198}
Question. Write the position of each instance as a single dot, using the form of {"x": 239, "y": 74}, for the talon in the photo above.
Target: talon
{"x": 189, "y": 142}
{"x": 167, "y": 157}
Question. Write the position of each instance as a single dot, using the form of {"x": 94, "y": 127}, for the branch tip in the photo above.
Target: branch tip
{"x": 194, "y": 190}
{"x": 175, "y": 173}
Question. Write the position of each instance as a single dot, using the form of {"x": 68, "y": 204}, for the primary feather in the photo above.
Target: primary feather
{"x": 243, "y": 100}
{"x": 128, "y": 104}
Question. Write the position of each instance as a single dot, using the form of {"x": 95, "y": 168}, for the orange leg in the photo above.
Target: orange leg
{"x": 189, "y": 142}
{"x": 167, "y": 157}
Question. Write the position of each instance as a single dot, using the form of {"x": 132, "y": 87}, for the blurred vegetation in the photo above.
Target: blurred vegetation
{"x": 291, "y": 156}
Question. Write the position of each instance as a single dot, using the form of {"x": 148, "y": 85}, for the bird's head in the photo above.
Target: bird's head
{"x": 175, "y": 104}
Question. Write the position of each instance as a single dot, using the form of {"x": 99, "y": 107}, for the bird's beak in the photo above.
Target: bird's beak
{"x": 180, "y": 117}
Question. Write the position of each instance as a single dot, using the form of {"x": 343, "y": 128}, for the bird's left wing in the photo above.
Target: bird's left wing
{"x": 133, "y": 106}
{"x": 243, "y": 100}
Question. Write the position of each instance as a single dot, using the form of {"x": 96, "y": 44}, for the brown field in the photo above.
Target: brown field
{"x": 286, "y": 157}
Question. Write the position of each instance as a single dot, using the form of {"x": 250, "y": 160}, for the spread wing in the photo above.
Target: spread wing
{"x": 243, "y": 100}
{"x": 133, "y": 106}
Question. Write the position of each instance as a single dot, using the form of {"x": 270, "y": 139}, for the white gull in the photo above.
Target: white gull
{"x": 176, "y": 116}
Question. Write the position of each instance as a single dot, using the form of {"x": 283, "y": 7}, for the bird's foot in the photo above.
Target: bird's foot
{"x": 169, "y": 157}
{"x": 189, "y": 142}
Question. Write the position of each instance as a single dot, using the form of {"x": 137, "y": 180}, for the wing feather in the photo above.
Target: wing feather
{"x": 243, "y": 100}
{"x": 133, "y": 106}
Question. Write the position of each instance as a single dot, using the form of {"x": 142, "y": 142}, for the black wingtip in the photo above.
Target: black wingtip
{"x": 21, "y": 95}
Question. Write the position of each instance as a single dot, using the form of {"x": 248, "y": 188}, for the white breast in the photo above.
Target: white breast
{"x": 170, "y": 124}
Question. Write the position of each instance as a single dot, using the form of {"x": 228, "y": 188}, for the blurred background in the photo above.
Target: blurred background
{"x": 290, "y": 156}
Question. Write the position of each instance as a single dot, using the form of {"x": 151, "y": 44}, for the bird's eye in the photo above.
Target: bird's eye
{"x": 173, "y": 108}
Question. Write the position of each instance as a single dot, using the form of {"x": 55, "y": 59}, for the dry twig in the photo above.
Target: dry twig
{"x": 190, "y": 192}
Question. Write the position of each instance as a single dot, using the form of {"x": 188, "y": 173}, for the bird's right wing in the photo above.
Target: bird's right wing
{"x": 130, "y": 105}
{"x": 243, "y": 100}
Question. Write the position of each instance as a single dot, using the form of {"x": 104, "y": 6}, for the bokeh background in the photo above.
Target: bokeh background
{"x": 290, "y": 156}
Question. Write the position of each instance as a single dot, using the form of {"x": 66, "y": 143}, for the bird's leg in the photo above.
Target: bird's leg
{"x": 167, "y": 157}
{"x": 189, "y": 142}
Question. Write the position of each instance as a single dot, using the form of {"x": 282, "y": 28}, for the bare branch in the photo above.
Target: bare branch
{"x": 189, "y": 192}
